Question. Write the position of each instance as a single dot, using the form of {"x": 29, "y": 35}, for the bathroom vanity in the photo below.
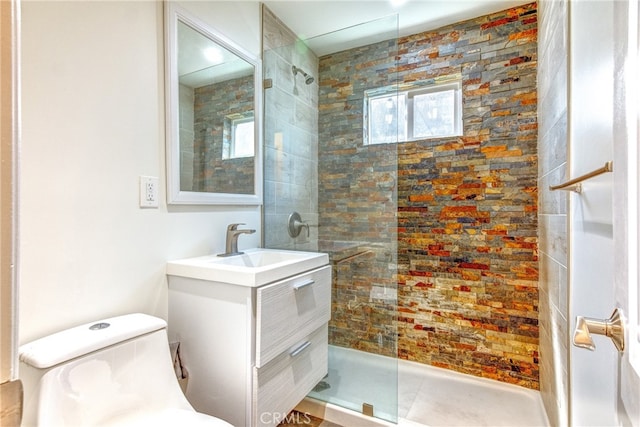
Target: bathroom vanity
{"x": 252, "y": 330}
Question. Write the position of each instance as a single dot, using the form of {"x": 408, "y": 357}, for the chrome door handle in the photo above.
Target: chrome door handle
{"x": 300, "y": 349}
{"x": 612, "y": 327}
{"x": 303, "y": 284}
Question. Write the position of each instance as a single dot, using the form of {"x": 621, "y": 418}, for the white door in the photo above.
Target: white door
{"x": 604, "y": 218}
{"x": 10, "y": 386}
{"x": 591, "y": 239}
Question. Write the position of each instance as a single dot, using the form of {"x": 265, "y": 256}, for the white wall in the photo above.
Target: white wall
{"x": 92, "y": 123}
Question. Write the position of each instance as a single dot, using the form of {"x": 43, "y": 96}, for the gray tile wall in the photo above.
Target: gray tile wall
{"x": 552, "y": 209}
{"x": 187, "y": 136}
{"x": 291, "y": 136}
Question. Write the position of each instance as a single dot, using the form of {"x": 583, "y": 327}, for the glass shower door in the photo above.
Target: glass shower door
{"x": 320, "y": 164}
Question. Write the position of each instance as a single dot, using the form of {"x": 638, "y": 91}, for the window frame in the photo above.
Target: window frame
{"x": 409, "y": 94}
{"x": 456, "y": 87}
{"x": 229, "y": 151}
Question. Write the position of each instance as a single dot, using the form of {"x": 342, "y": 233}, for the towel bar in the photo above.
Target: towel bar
{"x": 576, "y": 183}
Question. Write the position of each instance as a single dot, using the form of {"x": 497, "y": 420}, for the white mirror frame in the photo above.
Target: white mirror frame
{"x": 175, "y": 196}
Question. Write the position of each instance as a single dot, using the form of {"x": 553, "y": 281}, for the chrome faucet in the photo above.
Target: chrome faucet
{"x": 231, "y": 247}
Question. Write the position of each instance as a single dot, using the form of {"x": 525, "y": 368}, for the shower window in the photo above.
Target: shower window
{"x": 239, "y": 137}
{"x": 421, "y": 113}
{"x": 387, "y": 118}
{"x": 436, "y": 112}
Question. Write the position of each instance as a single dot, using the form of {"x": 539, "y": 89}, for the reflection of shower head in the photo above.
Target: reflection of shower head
{"x": 307, "y": 78}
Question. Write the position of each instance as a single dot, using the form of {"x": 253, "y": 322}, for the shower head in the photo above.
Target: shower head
{"x": 307, "y": 78}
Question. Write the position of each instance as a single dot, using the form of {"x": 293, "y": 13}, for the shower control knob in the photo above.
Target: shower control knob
{"x": 612, "y": 327}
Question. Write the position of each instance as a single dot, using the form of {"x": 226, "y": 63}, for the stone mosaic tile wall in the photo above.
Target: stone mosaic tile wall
{"x": 466, "y": 207}
{"x": 357, "y": 200}
{"x": 364, "y": 300}
{"x": 212, "y": 105}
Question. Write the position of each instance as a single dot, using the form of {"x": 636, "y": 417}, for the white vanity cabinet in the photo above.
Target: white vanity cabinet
{"x": 252, "y": 352}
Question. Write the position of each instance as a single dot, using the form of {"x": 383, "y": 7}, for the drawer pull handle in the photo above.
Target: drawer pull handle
{"x": 303, "y": 284}
{"x": 300, "y": 349}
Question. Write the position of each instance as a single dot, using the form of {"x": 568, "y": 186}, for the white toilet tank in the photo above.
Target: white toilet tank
{"x": 116, "y": 371}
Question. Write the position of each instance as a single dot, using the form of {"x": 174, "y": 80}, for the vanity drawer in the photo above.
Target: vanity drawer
{"x": 289, "y": 310}
{"x": 281, "y": 384}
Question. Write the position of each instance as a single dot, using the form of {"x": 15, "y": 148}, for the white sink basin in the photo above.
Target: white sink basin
{"x": 256, "y": 267}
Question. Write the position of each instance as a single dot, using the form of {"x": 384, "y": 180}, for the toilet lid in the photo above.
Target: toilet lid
{"x": 170, "y": 418}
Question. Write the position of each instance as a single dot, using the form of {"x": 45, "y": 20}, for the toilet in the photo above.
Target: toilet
{"x": 113, "y": 372}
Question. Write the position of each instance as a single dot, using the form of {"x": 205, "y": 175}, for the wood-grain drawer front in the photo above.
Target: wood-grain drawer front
{"x": 281, "y": 384}
{"x": 289, "y": 310}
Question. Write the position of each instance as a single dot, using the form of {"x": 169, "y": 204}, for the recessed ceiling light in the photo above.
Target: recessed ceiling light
{"x": 397, "y": 3}
{"x": 213, "y": 55}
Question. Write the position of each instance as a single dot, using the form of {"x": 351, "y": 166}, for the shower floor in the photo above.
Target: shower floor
{"x": 426, "y": 396}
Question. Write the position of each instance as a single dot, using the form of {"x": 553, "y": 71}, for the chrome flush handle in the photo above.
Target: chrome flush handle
{"x": 612, "y": 327}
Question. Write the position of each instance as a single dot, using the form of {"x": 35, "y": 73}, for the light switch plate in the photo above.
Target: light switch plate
{"x": 149, "y": 191}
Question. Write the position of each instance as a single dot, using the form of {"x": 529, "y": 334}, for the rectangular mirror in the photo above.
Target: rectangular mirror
{"x": 214, "y": 102}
